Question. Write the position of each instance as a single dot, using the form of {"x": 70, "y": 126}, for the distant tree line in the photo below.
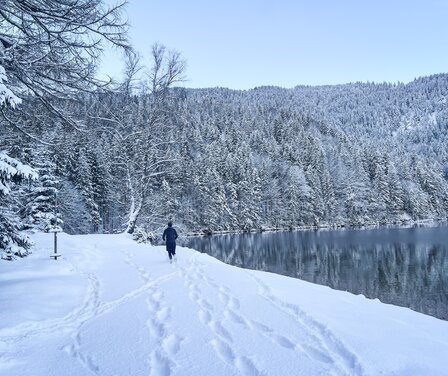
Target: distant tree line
{"x": 219, "y": 159}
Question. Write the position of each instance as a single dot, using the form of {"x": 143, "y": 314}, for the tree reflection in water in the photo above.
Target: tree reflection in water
{"x": 401, "y": 266}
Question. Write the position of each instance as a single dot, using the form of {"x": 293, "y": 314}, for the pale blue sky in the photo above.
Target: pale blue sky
{"x": 241, "y": 44}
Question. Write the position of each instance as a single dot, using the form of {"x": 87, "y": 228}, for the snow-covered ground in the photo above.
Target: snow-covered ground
{"x": 111, "y": 306}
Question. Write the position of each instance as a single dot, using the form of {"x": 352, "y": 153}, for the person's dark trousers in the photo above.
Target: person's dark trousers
{"x": 171, "y": 249}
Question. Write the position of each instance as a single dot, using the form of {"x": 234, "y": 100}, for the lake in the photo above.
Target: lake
{"x": 402, "y": 266}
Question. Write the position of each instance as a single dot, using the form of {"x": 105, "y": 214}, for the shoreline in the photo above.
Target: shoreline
{"x": 325, "y": 227}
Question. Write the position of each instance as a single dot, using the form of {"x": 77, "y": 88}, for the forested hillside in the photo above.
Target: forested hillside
{"x": 220, "y": 159}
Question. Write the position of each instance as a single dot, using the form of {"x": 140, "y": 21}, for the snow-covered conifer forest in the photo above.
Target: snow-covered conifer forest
{"x": 222, "y": 159}
{"x": 132, "y": 155}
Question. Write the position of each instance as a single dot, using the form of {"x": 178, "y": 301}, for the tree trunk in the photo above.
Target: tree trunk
{"x": 133, "y": 216}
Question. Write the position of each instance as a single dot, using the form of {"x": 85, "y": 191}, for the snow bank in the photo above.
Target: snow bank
{"x": 110, "y": 306}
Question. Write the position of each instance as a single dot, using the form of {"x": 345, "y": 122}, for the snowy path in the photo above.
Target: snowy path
{"x": 113, "y": 307}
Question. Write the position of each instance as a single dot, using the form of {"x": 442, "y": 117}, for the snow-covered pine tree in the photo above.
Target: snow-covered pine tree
{"x": 395, "y": 188}
{"x": 271, "y": 200}
{"x": 41, "y": 208}
{"x": 84, "y": 182}
{"x": 11, "y": 172}
{"x": 168, "y": 202}
{"x": 297, "y": 196}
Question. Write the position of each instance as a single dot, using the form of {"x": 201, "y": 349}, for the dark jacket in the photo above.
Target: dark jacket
{"x": 170, "y": 235}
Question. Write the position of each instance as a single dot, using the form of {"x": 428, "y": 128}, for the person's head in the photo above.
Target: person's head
{"x": 170, "y": 224}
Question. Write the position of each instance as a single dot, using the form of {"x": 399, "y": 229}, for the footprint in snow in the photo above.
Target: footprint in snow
{"x": 193, "y": 295}
{"x": 171, "y": 344}
{"x": 205, "y": 304}
{"x": 261, "y": 327}
{"x": 234, "y": 303}
{"x": 160, "y": 366}
{"x": 155, "y": 328}
{"x": 223, "y": 350}
{"x": 224, "y": 298}
{"x": 205, "y": 316}
{"x": 316, "y": 354}
{"x": 244, "y": 365}
{"x": 163, "y": 314}
{"x": 221, "y": 331}
{"x": 233, "y": 316}
{"x": 283, "y": 341}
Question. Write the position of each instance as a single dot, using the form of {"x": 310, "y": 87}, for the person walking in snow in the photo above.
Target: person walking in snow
{"x": 170, "y": 236}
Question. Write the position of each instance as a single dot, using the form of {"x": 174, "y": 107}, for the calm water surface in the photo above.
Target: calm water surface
{"x": 401, "y": 266}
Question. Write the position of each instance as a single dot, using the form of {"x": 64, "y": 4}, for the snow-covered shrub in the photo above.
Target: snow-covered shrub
{"x": 142, "y": 235}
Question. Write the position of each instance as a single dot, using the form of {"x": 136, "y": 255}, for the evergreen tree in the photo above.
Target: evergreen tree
{"x": 40, "y": 211}
{"x": 11, "y": 172}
